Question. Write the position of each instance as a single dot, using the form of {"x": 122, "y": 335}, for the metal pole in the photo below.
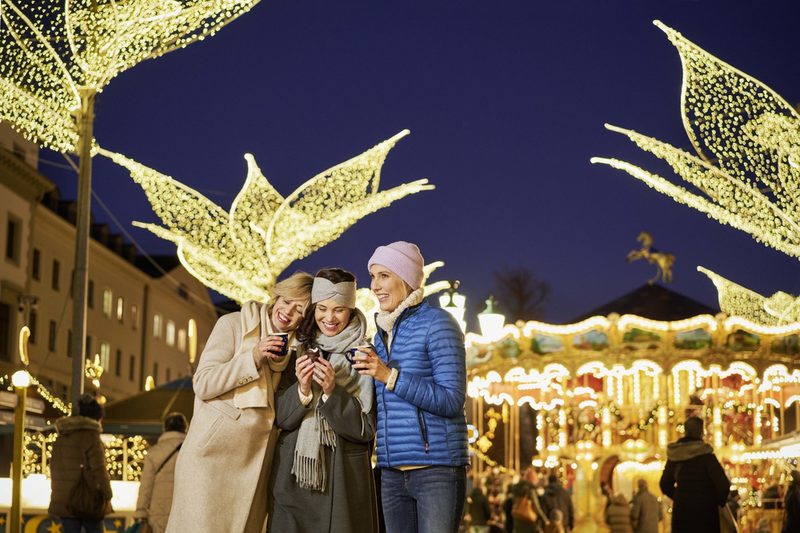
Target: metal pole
{"x": 15, "y": 520}
{"x": 83, "y": 226}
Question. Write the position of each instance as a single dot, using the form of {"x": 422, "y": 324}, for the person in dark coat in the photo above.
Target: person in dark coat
{"x": 79, "y": 444}
{"x": 695, "y": 481}
{"x": 322, "y": 474}
{"x": 556, "y": 497}
{"x": 791, "y": 505}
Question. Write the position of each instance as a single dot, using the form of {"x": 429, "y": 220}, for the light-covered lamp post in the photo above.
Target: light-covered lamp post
{"x": 491, "y": 321}
{"x": 455, "y": 303}
{"x": 21, "y": 381}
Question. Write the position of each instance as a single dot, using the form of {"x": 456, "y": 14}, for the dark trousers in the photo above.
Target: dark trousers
{"x": 76, "y": 525}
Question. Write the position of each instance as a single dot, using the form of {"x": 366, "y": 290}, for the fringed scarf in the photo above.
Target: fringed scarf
{"x": 309, "y": 466}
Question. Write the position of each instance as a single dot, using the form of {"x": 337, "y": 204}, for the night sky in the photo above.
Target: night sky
{"x": 505, "y": 102}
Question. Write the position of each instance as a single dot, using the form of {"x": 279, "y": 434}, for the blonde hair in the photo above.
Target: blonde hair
{"x": 295, "y": 287}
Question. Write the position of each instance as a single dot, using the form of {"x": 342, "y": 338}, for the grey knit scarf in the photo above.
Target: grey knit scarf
{"x": 309, "y": 466}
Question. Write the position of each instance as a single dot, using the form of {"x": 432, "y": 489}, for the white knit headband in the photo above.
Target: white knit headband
{"x": 343, "y": 293}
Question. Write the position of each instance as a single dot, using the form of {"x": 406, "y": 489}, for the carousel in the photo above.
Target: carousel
{"x": 600, "y": 399}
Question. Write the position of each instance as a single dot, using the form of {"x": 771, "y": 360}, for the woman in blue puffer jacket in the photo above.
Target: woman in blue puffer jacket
{"x": 419, "y": 367}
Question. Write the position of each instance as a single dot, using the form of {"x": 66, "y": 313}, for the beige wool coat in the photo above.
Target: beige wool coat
{"x": 156, "y": 483}
{"x": 223, "y": 466}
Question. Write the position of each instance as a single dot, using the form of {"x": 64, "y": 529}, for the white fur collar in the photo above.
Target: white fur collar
{"x": 386, "y": 319}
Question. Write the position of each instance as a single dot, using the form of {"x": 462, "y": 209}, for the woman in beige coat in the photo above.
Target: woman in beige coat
{"x": 222, "y": 468}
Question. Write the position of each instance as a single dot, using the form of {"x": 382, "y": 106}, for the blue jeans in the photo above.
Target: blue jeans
{"x": 74, "y": 525}
{"x": 425, "y": 500}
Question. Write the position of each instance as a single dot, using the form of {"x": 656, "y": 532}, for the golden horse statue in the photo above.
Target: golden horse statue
{"x": 662, "y": 260}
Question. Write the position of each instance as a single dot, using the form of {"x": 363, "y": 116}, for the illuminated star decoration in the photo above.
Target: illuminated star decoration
{"x": 55, "y": 54}
{"x": 747, "y": 169}
{"x": 241, "y": 252}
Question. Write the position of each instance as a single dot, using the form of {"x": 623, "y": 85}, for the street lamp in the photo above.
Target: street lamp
{"x": 21, "y": 381}
{"x": 491, "y": 321}
{"x": 454, "y": 303}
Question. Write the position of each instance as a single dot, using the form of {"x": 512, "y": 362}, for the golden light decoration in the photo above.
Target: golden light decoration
{"x": 24, "y": 335}
{"x": 779, "y": 309}
{"x": 241, "y": 252}
{"x": 746, "y": 171}
{"x": 125, "y": 457}
{"x": 56, "y": 55}
{"x": 93, "y": 370}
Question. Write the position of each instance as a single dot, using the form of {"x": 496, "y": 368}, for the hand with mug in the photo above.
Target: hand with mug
{"x": 271, "y": 347}
{"x": 367, "y": 362}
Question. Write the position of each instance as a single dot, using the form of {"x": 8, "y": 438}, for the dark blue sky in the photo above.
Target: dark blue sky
{"x": 505, "y": 102}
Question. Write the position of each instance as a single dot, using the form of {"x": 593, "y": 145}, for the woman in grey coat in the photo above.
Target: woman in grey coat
{"x": 322, "y": 475}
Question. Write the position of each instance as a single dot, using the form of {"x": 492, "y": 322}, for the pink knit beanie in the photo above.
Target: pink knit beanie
{"x": 402, "y": 258}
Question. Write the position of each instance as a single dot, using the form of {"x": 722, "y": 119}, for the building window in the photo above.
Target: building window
{"x": 120, "y": 308}
{"x": 170, "y": 333}
{"x": 51, "y": 336}
{"x": 36, "y": 262}
{"x": 183, "y": 291}
{"x": 105, "y": 355}
{"x": 90, "y": 294}
{"x": 155, "y": 372}
{"x": 69, "y": 343}
{"x": 5, "y": 332}
{"x": 157, "y": 326}
{"x": 56, "y": 281}
{"x": 132, "y": 368}
{"x": 32, "y": 325}
{"x": 13, "y": 239}
{"x": 135, "y": 316}
{"x": 182, "y": 340}
{"x": 118, "y": 364}
{"x": 169, "y": 375}
{"x": 88, "y": 347}
{"x": 108, "y": 302}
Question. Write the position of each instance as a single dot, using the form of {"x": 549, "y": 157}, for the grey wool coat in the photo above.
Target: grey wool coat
{"x": 646, "y": 512}
{"x": 348, "y": 504}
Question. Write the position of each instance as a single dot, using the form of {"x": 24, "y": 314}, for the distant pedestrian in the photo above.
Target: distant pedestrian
{"x": 222, "y": 471}
{"x": 556, "y": 524}
{"x": 158, "y": 474}
{"x": 618, "y": 515}
{"x": 556, "y": 497}
{"x": 79, "y": 456}
{"x": 479, "y": 511}
{"x": 646, "y": 510}
{"x": 791, "y": 517}
{"x": 695, "y": 481}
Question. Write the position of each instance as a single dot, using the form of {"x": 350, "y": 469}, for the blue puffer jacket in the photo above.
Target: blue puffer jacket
{"x": 422, "y": 422}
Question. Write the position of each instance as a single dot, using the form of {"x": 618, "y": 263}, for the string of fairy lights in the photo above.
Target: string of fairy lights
{"x": 58, "y": 54}
{"x": 746, "y": 172}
